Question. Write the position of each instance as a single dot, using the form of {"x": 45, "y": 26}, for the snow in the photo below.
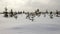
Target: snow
{"x": 40, "y": 25}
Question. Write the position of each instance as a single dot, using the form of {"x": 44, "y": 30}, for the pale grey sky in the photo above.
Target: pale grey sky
{"x": 30, "y": 4}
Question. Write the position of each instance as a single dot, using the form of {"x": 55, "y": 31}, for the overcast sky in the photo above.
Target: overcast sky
{"x": 31, "y": 4}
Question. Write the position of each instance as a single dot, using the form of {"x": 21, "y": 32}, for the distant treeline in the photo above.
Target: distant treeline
{"x": 31, "y": 15}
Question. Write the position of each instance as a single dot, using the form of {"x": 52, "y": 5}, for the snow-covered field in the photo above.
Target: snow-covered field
{"x": 40, "y": 25}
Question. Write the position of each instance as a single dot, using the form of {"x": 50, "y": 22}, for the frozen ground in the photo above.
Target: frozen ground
{"x": 24, "y": 26}
{"x": 36, "y": 28}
